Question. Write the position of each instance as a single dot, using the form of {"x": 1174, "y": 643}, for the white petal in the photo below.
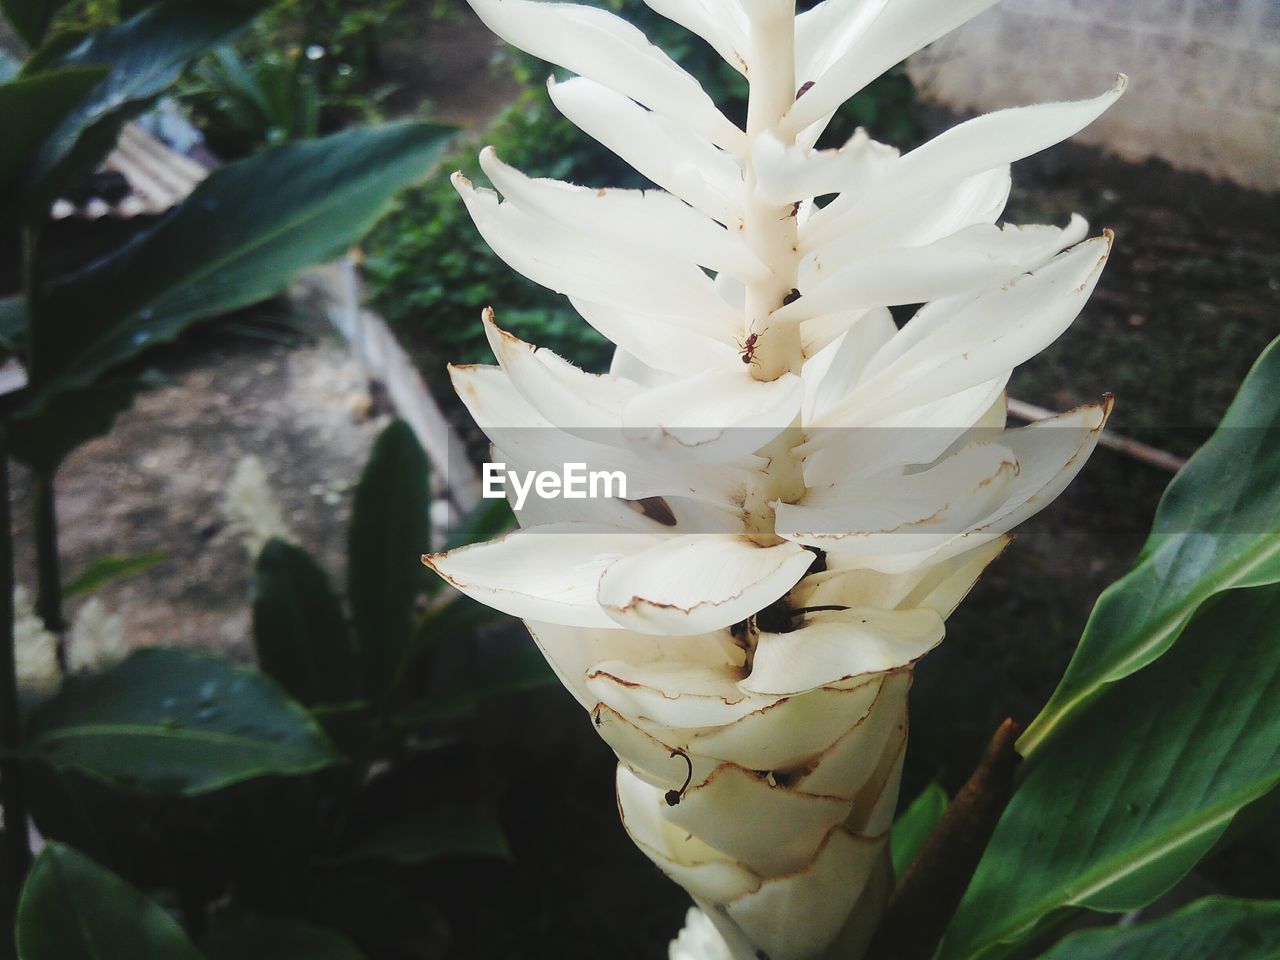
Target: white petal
{"x": 978, "y": 145}
{"x": 835, "y": 646}
{"x": 708, "y": 179}
{"x": 973, "y": 260}
{"x": 540, "y": 574}
{"x": 866, "y": 518}
{"x": 570, "y": 262}
{"x": 696, "y": 866}
{"x": 673, "y": 694}
{"x": 661, "y": 343}
{"x": 898, "y": 31}
{"x": 698, "y": 583}
{"x": 768, "y": 829}
{"x": 826, "y": 31}
{"x": 716, "y": 416}
{"x": 650, "y": 219}
{"x": 952, "y": 345}
{"x": 608, "y": 49}
{"x": 796, "y": 916}
{"x": 574, "y": 652}
{"x": 858, "y": 765}
{"x": 787, "y": 173}
{"x": 719, "y": 22}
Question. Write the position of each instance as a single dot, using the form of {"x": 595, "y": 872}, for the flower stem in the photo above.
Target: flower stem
{"x": 13, "y": 795}
{"x": 48, "y": 566}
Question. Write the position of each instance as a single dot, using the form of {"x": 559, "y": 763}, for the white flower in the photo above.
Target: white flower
{"x": 35, "y": 649}
{"x": 813, "y": 489}
{"x": 698, "y": 940}
{"x": 251, "y": 508}
{"x": 96, "y": 638}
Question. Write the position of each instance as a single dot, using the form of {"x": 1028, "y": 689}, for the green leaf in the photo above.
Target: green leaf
{"x": 1126, "y": 799}
{"x": 238, "y": 239}
{"x": 1216, "y": 529}
{"x": 1216, "y": 928}
{"x": 146, "y": 54}
{"x": 913, "y": 826}
{"x": 73, "y": 909}
{"x": 242, "y": 936}
{"x": 527, "y": 670}
{"x": 176, "y": 722}
{"x": 299, "y": 629}
{"x": 113, "y": 566}
{"x": 30, "y": 19}
{"x": 463, "y": 830}
{"x": 43, "y": 438}
{"x": 32, "y": 108}
{"x": 388, "y": 535}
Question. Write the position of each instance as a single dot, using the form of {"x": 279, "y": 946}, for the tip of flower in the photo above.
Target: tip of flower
{"x": 460, "y": 182}
{"x": 1120, "y": 84}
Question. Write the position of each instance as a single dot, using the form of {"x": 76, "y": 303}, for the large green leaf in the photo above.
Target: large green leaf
{"x": 43, "y": 438}
{"x": 1216, "y": 928}
{"x": 299, "y": 629}
{"x": 239, "y": 238}
{"x": 1216, "y": 528}
{"x": 389, "y": 533}
{"x": 73, "y": 909}
{"x": 465, "y": 830}
{"x": 30, "y": 19}
{"x": 176, "y": 722}
{"x": 146, "y": 54}
{"x": 913, "y": 826}
{"x": 1127, "y": 797}
{"x": 246, "y": 937}
{"x": 32, "y": 108}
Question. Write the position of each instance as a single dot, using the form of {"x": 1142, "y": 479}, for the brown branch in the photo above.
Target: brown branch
{"x": 930, "y": 890}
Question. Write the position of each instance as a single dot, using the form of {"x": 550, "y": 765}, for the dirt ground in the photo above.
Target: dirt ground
{"x": 157, "y": 482}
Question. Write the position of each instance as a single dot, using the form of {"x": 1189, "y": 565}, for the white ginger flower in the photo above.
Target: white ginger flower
{"x": 251, "y": 508}
{"x": 813, "y": 490}
{"x": 35, "y": 649}
{"x": 698, "y": 940}
{"x": 96, "y": 638}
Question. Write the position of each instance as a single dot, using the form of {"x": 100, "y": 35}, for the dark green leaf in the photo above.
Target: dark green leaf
{"x": 114, "y": 566}
{"x": 465, "y": 830}
{"x": 1216, "y": 529}
{"x": 378, "y": 912}
{"x": 73, "y": 909}
{"x": 43, "y": 439}
{"x": 1216, "y": 928}
{"x": 145, "y": 54}
{"x": 176, "y": 722}
{"x": 1126, "y": 798}
{"x": 299, "y": 629}
{"x": 239, "y": 238}
{"x": 490, "y": 519}
{"x": 32, "y": 108}
{"x": 913, "y": 826}
{"x": 30, "y": 19}
{"x": 388, "y": 535}
{"x": 245, "y": 937}
{"x": 527, "y": 670}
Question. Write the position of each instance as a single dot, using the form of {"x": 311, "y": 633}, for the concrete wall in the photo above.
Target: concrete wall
{"x": 1204, "y": 75}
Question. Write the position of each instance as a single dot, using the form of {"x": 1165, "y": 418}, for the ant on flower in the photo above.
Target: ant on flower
{"x": 748, "y": 348}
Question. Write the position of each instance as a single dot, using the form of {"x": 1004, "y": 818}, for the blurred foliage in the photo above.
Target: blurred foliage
{"x": 306, "y": 67}
{"x": 429, "y": 272}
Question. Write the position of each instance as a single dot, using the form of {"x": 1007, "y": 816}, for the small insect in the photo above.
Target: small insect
{"x": 675, "y": 796}
{"x": 795, "y": 209}
{"x": 804, "y": 88}
{"x": 749, "y": 348}
{"x": 792, "y": 296}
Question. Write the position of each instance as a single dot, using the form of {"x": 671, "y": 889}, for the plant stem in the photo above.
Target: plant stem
{"x": 48, "y": 566}
{"x": 13, "y": 795}
{"x": 931, "y": 888}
